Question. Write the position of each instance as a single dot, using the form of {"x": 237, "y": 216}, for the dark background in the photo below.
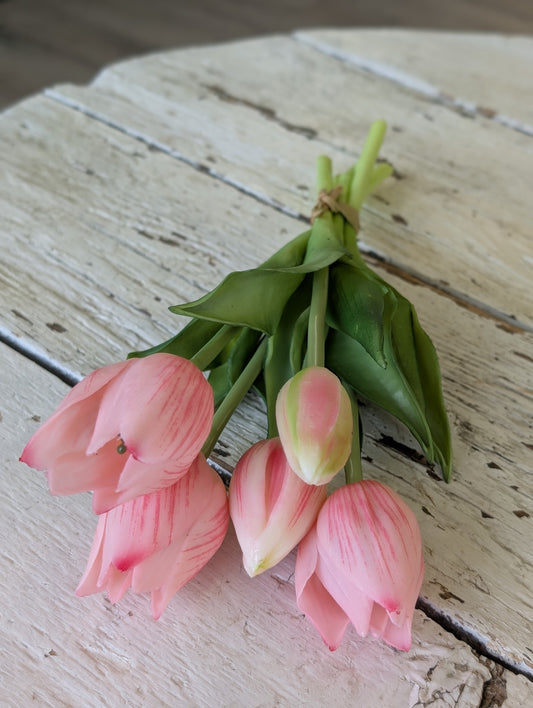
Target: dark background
{"x": 43, "y": 42}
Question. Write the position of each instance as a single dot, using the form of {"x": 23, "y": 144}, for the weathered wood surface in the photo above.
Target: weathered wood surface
{"x": 479, "y": 73}
{"x": 143, "y": 190}
{"x": 226, "y": 641}
{"x": 211, "y": 112}
{"x": 81, "y": 37}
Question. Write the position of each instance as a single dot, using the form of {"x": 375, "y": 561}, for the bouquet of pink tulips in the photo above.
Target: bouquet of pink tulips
{"x": 313, "y": 329}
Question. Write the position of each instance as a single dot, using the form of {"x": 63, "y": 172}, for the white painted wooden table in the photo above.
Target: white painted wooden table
{"x": 143, "y": 190}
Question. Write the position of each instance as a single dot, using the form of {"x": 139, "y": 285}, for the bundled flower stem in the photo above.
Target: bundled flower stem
{"x": 312, "y": 329}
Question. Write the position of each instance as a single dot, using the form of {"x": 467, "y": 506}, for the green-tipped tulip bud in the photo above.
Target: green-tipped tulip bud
{"x": 314, "y": 419}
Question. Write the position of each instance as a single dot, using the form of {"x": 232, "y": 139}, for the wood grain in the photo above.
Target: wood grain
{"x": 144, "y": 190}
{"x": 44, "y": 43}
{"x": 205, "y": 106}
{"x": 111, "y": 245}
{"x": 61, "y": 651}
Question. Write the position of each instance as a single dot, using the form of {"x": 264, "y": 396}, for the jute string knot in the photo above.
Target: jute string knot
{"x": 329, "y": 201}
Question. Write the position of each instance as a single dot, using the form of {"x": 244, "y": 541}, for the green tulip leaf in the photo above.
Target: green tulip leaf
{"x": 220, "y": 383}
{"x": 187, "y": 342}
{"x": 409, "y": 387}
{"x": 430, "y": 378}
{"x": 250, "y": 298}
{"x": 278, "y": 366}
{"x": 322, "y": 249}
{"x": 254, "y": 298}
{"x": 297, "y": 349}
{"x": 356, "y": 305}
{"x": 386, "y": 387}
{"x": 223, "y": 376}
{"x": 291, "y": 255}
{"x": 417, "y": 359}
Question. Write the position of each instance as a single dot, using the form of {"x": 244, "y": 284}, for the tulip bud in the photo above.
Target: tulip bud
{"x": 361, "y": 563}
{"x": 159, "y": 541}
{"x": 314, "y": 419}
{"x": 125, "y": 430}
{"x": 271, "y": 507}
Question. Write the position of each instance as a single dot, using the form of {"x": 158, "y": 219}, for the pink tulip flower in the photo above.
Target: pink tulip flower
{"x": 125, "y": 430}
{"x": 361, "y": 563}
{"x": 314, "y": 419}
{"x": 159, "y": 541}
{"x": 271, "y": 507}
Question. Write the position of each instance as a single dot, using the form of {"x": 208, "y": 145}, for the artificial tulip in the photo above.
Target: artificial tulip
{"x": 315, "y": 422}
{"x": 361, "y": 563}
{"x": 125, "y": 430}
{"x": 270, "y": 506}
{"x": 159, "y": 541}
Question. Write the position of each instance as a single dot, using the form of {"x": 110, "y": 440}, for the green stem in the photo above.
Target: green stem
{"x": 213, "y": 347}
{"x": 316, "y": 332}
{"x": 235, "y": 396}
{"x": 353, "y": 469}
{"x": 366, "y": 162}
{"x": 324, "y": 173}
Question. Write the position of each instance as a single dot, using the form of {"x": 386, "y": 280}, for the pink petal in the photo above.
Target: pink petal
{"x": 248, "y": 489}
{"x": 89, "y": 581}
{"x": 271, "y": 507}
{"x": 129, "y": 479}
{"x": 314, "y": 418}
{"x": 313, "y": 599}
{"x": 395, "y": 632}
{"x": 188, "y": 558}
{"x": 137, "y": 529}
{"x": 93, "y": 383}
{"x": 98, "y": 577}
{"x": 162, "y": 408}
{"x": 306, "y": 561}
{"x": 74, "y": 472}
{"x": 116, "y": 583}
{"x": 367, "y": 531}
{"x": 200, "y": 523}
{"x": 343, "y": 589}
{"x": 159, "y": 541}
{"x": 69, "y": 429}
{"x": 382, "y": 628}
{"x": 142, "y": 478}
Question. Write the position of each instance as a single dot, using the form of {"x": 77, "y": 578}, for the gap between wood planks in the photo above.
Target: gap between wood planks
{"x": 419, "y": 86}
{"x": 507, "y": 322}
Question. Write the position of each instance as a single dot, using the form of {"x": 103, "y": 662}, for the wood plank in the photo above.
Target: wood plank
{"x": 206, "y": 106}
{"x": 447, "y": 66}
{"x": 44, "y": 43}
{"x": 101, "y": 230}
{"x": 60, "y": 650}
{"x": 88, "y": 219}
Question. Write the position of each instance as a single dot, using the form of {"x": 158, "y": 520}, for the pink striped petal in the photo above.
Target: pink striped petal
{"x": 69, "y": 427}
{"x": 312, "y": 597}
{"x": 72, "y": 473}
{"x": 98, "y": 577}
{"x": 344, "y": 590}
{"x": 141, "y": 478}
{"x": 188, "y": 558}
{"x": 61, "y": 433}
{"x": 162, "y": 408}
{"x": 369, "y": 533}
{"x": 89, "y": 581}
{"x": 137, "y": 529}
{"x": 200, "y": 523}
{"x": 92, "y": 385}
{"x": 271, "y": 507}
{"x": 136, "y": 479}
{"x": 159, "y": 541}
